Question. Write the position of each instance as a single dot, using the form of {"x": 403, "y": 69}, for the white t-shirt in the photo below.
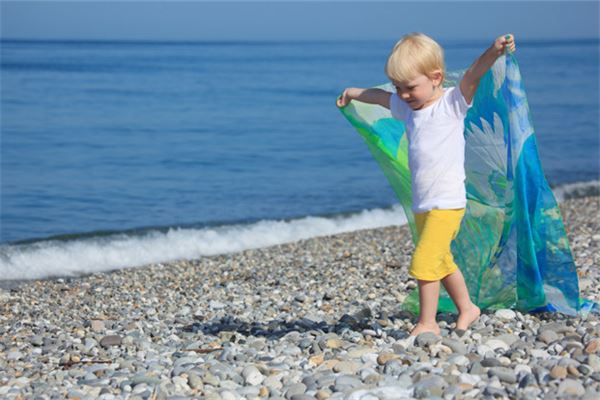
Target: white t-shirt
{"x": 436, "y": 150}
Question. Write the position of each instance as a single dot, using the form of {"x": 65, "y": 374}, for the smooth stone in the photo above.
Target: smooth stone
{"x": 95, "y": 382}
{"x": 372, "y": 379}
{"x": 451, "y": 391}
{"x": 393, "y": 367}
{"x": 226, "y": 395}
{"x": 592, "y": 346}
{"x": 594, "y": 362}
{"x": 296, "y": 388}
{"x": 14, "y": 355}
{"x": 302, "y": 397}
{"x": 459, "y": 360}
{"x": 427, "y": 339}
{"x": 539, "y": 353}
{"x": 37, "y": 340}
{"x": 469, "y": 379}
{"x": 455, "y": 345}
{"x": 508, "y": 338}
{"x": 490, "y": 362}
{"x": 229, "y": 384}
{"x": 584, "y": 369}
{"x": 249, "y": 392}
{"x": 505, "y": 314}
{"x": 310, "y": 382}
{"x": 252, "y": 375}
{"x": 384, "y": 357}
{"x": 558, "y": 372}
{"x": 522, "y": 369}
{"x": 142, "y": 378}
{"x": 334, "y": 343}
{"x": 504, "y": 374}
{"x": 111, "y": 340}
{"x": 180, "y": 382}
{"x": 194, "y": 381}
{"x": 494, "y": 391}
{"x": 571, "y": 387}
{"x": 186, "y": 360}
{"x": 216, "y": 305}
{"x": 476, "y": 368}
{"x": 548, "y": 336}
{"x": 432, "y": 385}
{"x": 527, "y": 380}
{"x": 346, "y": 382}
{"x": 348, "y": 367}
{"x": 572, "y": 370}
{"x": 323, "y": 394}
{"x": 273, "y": 382}
{"x": 495, "y": 344}
{"x": 301, "y": 298}
{"x": 483, "y": 349}
{"x": 558, "y": 327}
{"x": 542, "y": 375}
{"x": 389, "y": 391}
{"x": 97, "y": 325}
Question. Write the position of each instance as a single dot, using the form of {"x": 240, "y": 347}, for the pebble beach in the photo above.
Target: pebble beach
{"x": 315, "y": 319}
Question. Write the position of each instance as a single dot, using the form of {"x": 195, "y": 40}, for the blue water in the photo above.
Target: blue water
{"x": 130, "y": 137}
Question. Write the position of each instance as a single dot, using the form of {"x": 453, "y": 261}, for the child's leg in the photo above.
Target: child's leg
{"x": 429, "y": 293}
{"x": 457, "y": 289}
{"x": 432, "y": 261}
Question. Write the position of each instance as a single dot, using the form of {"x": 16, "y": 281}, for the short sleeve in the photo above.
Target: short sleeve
{"x": 457, "y": 102}
{"x": 398, "y": 108}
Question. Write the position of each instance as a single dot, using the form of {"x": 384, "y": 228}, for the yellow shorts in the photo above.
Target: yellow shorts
{"x": 432, "y": 259}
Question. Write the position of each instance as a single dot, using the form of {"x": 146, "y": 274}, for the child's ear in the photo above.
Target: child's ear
{"x": 437, "y": 76}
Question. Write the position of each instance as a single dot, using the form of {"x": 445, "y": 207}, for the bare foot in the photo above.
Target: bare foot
{"x": 421, "y": 328}
{"x": 467, "y": 317}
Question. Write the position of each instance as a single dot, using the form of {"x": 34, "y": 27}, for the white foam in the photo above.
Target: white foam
{"x": 70, "y": 258}
{"x": 576, "y": 189}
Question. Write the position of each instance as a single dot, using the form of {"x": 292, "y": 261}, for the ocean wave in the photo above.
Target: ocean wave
{"x": 53, "y": 258}
{"x": 80, "y": 256}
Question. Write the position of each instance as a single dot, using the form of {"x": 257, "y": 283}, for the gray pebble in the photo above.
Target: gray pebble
{"x": 455, "y": 345}
{"x": 296, "y": 388}
{"x": 504, "y": 374}
{"x": 432, "y": 385}
{"x": 427, "y": 339}
{"x": 111, "y": 340}
{"x": 571, "y": 387}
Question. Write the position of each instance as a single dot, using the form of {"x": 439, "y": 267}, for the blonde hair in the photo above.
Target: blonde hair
{"x": 413, "y": 55}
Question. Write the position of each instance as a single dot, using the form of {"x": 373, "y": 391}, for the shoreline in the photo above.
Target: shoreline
{"x": 91, "y": 252}
{"x": 8, "y": 284}
{"x": 316, "y": 318}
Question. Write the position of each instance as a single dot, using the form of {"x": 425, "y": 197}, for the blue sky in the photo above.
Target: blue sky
{"x": 287, "y": 20}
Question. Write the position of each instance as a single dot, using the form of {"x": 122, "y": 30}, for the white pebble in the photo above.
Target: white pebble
{"x": 505, "y": 314}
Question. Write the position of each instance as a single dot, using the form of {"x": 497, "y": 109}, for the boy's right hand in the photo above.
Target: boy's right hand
{"x": 344, "y": 99}
{"x": 369, "y": 96}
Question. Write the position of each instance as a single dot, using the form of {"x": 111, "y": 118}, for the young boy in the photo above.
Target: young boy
{"x": 434, "y": 120}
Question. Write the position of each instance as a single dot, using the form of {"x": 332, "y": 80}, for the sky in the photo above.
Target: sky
{"x": 296, "y": 20}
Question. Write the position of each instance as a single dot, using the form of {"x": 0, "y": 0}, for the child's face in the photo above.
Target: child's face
{"x": 420, "y": 91}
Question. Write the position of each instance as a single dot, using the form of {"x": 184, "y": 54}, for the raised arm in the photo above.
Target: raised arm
{"x": 470, "y": 80}
{"x": 371, "y": 96}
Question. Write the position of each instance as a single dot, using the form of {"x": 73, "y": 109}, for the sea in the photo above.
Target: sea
{"x": 116, "y": 154}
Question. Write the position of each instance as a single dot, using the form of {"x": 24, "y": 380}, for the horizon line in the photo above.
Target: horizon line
{"x": 260, "y": 40}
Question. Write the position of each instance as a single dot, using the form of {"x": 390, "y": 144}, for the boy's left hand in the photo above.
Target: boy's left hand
{"x": 505, "y": 42}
